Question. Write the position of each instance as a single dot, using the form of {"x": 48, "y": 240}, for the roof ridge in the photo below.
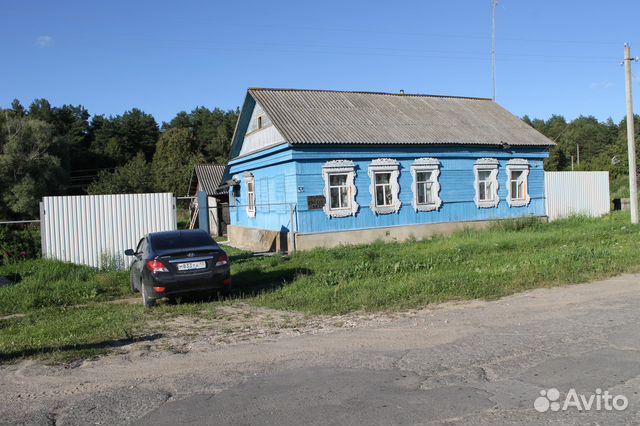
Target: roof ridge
{"x": 364, "y": 92}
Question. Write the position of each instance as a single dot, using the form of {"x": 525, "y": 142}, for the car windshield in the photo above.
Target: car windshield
{"x": 182, "y": 240}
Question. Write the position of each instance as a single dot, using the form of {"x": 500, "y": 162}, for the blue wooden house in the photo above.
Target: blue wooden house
{"x": 313, "y": 168}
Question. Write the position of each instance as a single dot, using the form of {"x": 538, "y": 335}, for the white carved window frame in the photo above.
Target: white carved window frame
{"x": 340, "y": 167}
{"x": 518, "y": 164}
{"x": 385, "y": 165}
{"x": 431, "y": 165}
{"x": 251, "y": 207}
{"x": 491, "y": 165}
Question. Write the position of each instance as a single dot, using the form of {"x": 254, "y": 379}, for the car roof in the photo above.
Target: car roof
{"x": 177, "y": 233}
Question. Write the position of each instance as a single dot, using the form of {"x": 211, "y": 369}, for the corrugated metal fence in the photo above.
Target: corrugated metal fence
{"x": 95, "y": 230}
{"x": 569, "y": 193}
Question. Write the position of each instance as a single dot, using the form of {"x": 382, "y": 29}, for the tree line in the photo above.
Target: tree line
{"x": 48, "y": 150}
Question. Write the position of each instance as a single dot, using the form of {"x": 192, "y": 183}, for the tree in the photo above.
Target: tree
{"x": 212, "y": 131}
{"x": 134, "y": 177}
{"x": 118, "y": 139}
{"x": 28, "y": 170}
{"x": 174, "y": 161}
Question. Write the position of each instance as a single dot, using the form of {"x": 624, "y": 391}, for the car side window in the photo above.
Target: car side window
{"x": 141, "y": 246}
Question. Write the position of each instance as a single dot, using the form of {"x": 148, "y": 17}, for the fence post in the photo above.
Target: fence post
{"x": 43, "y": 245}
{"x": 203, "y": 211}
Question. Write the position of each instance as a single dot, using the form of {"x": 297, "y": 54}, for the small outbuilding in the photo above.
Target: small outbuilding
{"x": 208, "y": 178}
{"x": 312, "y": 168}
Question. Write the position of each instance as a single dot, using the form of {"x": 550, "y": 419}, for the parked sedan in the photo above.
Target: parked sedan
{"x": 177, "y": 263}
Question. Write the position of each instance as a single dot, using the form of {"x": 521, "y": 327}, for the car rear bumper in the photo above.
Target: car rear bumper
{"x": 182, "y": 285}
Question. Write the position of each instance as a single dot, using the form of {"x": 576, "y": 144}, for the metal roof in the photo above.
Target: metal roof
{"x": 210, "y": 178}
{"x": 334, "y": 117}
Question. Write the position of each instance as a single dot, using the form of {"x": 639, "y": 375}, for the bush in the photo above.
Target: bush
{"x": 18, "y": 244}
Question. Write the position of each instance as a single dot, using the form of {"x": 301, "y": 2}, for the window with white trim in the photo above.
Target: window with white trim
{"x": 384, "y": 187}
{"x": 518, "y": 182}
{"x": 339, "y": 188}
{"x": 339, "y": 191}
{"x": 426, "y": 185}
{"x": 250, "y": 184}
{"x": 384, "y": 198}
{"x": 486, "y": 182}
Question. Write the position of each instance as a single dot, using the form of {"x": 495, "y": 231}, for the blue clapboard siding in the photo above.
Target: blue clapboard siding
{"x": 281, "y": 171}
{"x": 275, "y": 188}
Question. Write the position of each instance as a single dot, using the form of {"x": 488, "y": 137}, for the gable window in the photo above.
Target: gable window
{"x": 384, "y": 188}
{"x": 486, "y": 182}
{"x": 259, "y": 122}
{"x": 518, "y": 182}
{"x": 250, "y": 183}
{"x": 426, "y": 187}
{"x": 339, "y": 188}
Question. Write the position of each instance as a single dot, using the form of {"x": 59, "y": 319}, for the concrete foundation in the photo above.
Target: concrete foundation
{"x": 258, "y": 240}
{"x": 262, "y": 240}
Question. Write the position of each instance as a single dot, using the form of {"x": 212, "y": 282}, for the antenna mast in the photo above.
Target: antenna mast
{"x": 493, "y": 48}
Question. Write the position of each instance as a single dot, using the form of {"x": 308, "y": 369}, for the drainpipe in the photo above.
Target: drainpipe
{"x": 292, "y": 227}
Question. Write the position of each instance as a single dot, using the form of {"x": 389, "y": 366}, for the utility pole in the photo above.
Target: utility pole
{"x": 633, "y": 171}
{"x": 578, "y": 153}
{"x": 493, "y": 48}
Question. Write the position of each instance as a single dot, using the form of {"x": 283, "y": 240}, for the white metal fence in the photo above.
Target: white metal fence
{"x": 569, "y": 193}
{"x": 95, "y": 230}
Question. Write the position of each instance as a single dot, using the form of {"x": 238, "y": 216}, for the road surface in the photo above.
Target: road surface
{"x": 473, "y": 363}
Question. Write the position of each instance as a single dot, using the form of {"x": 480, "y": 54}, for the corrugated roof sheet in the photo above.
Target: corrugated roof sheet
{"x": 333, "y": 117}
{"x": 210, "y": 178}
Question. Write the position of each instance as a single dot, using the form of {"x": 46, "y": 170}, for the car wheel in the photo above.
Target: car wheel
{"x": 146, "y": 301}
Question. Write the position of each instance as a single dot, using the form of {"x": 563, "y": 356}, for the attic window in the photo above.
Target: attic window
{"x": 384, "y": 187}
{"x": 486, "y": 182}
{"x": 518, "y": 182}
{"x": 339, "y": 188}
{"x": 259, "y": 122}
{"x": 426, "y": 184}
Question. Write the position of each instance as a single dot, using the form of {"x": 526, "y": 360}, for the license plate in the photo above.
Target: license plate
{"x": 190, "y": 266}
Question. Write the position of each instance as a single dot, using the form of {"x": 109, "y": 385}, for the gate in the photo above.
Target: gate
{"x": 570, "y": 193}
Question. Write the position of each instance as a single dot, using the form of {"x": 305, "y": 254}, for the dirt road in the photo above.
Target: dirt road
{"x": 481, "y": 363}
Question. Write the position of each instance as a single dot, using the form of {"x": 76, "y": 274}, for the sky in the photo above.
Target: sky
{"x": 552, "y": 57}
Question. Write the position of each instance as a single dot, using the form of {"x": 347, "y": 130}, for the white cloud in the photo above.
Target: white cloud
{"x": 43, "y": 42}
{"x": 602, "y": 85}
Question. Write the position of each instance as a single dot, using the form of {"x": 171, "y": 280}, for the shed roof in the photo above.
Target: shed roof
{"x": 210, "y": 178}
{"x": 335, "y": 117}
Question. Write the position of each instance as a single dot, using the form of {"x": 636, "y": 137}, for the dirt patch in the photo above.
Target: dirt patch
{"x": 240, "y": 322}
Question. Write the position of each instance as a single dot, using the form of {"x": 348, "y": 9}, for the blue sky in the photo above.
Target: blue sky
{"x": 163, "y": 57}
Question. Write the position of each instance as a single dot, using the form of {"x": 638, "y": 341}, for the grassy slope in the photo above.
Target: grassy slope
{"x": 475, "y": 264}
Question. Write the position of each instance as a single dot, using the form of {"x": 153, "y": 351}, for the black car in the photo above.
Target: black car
{"x": 172, "y": 264}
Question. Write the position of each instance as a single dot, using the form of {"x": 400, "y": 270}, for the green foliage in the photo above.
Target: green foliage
{"x": 212, "y": 131}
{"x": 18, "y": 243}
{"x": 28, "y": 169}
{"x": 121, "y": 137}
{"x": 133, "y": 177}
{"x": 174, "y": 161}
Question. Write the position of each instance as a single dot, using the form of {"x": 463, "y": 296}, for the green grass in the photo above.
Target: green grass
{"x": 511, "y": 257}
{"x": 65, "y": 313}
{"x": 45, "y": 283}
